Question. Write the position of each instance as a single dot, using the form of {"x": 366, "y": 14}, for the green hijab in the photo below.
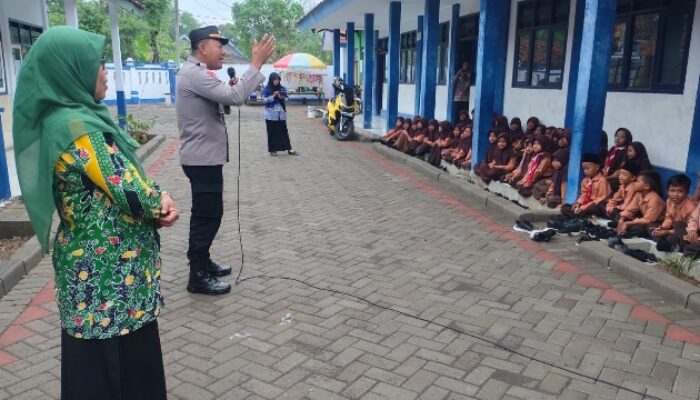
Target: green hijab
{"x": 54, "y": 106}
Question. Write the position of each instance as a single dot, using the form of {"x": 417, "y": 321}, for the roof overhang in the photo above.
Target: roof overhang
{"x": 131, "y": 6}
{"x": 335, "y": 14}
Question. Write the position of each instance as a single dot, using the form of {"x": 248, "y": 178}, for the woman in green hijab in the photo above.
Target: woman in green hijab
{"x": 72, "y": 157}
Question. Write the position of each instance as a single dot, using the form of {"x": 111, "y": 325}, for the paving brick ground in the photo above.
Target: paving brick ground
{"x": 340, "y": 216}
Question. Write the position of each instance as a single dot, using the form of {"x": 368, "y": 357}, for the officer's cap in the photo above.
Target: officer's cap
{"x": 208, "y": 32}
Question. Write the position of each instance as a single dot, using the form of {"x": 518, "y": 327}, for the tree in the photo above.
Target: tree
{"x": 156, "y": 13}
{"x": 253, "y": 18}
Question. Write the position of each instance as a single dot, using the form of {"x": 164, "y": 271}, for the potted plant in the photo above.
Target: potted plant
{"x": 138, "y": 128}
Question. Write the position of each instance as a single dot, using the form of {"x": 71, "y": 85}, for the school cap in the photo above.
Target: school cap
{"x": 591, "y": 158}
{"x": 208, "y": 32}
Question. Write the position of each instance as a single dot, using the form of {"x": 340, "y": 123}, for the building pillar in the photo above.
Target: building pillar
{"x": 693, "y": 164}
{"x": 575, "y": 59}
{"x": 350, "y": 47}
{"x": 392, "y": 109}
{"x": 419, "y": 65}
{"x": 4, "y": 176}
{"x": 591, "y": 87}
{"x": 430, "y": 39}
{"x": 379, "y": 84}
{"x": 336, "y": 52}
{"x": 71, "y": 13}
{"x": 117, "y": 57}
{"x": 368, "y": 70}
{"x": 452, "y": 66}
{"x": 490, "y": 78}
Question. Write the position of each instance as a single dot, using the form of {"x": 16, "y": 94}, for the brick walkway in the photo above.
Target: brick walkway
{"x": 340, "y": 216}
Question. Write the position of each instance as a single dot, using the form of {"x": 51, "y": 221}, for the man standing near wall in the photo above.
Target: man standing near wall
{"x": 201, "y": 99}
{"x": 463, "y": 83}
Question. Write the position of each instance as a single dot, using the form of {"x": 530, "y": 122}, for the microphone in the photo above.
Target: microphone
{"x": 232, "y": 74}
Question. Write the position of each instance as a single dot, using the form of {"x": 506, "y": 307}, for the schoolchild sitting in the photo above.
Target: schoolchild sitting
{"x": 679, "y": 207}
{"x": 647, "y": 206}
{"x": 594, "y": 191}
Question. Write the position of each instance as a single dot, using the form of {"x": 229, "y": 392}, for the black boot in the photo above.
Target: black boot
{"x": 217, "y": 270}
{"x": 202, "y": 282}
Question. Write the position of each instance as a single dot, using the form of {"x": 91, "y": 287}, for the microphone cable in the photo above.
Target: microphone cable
{"x": 492, "y": 342}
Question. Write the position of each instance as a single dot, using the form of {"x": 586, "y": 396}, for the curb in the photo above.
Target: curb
{"x": 28, "y": 256}
{"x": 483, "y": 198}
{"x": 672, "y": 289}
{"x": 669, "y": 287}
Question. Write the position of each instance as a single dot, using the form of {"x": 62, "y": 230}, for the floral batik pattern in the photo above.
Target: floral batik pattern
{"x": 106, "y": 254}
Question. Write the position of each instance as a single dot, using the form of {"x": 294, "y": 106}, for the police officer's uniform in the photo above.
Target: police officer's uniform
{"x": 204, "y": 142}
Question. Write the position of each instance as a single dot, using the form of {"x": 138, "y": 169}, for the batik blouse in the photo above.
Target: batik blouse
{"x": 106, "y": 255}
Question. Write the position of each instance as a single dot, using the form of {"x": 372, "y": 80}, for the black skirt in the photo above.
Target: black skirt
{"x": 120, "y": 368}
{"x": 277, "y": 136}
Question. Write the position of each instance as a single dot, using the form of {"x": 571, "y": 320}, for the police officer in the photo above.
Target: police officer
{"x": 201, "y": 100}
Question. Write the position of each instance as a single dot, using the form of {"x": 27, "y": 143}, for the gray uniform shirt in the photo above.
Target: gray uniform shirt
{"x": 200, "y": 101}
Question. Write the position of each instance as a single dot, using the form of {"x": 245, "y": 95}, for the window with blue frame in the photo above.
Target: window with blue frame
{"x": 650, "y": 45}
{"x": 443, "y": 52}
{"x": 408, "y": 58}
{"x": 540, "y": 47}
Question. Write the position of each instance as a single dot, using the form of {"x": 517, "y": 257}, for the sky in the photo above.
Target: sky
{"x": 216, "y": 12}
{"x": 209, "y": 12}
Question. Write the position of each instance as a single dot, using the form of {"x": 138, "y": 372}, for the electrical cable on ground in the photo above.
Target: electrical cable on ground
{"x": 492, "y": 342}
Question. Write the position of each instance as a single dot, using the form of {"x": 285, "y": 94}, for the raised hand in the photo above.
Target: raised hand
{"x": 262, "y": 51}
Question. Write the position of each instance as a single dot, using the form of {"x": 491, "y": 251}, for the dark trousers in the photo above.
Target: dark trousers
{"x": 119, "y": 368}
{"x": 207, "y": 184}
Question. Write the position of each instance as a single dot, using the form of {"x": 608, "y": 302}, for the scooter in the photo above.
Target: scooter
{"x": 340, "y": 111}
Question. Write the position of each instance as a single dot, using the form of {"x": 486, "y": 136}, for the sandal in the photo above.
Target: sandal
{"x": 292, "y": 153}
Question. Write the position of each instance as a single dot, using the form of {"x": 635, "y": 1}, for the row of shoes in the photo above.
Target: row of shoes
{"x": 537, "y": 235}
{"x": 615, "y": 242}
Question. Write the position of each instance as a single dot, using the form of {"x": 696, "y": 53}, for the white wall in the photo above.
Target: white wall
{"x": 407, "y": 99}
{"x": 661, "y": 121}
{"x": 549, "y": 105}
{"x": 28, "y": 11}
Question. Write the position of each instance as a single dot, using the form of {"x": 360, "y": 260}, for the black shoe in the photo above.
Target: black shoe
{"x": 217, "y": 270}
{"x": 556, "y": 223}
{"x": 664, "y": 245}
{"x": 544, "y": 235}
{"x": 612, "y": 224}
{"x": 292, "y": 152}
{"x": 523, "y": 226}
{"x": 202, "y": 282}
{"x": 272, "y": 153}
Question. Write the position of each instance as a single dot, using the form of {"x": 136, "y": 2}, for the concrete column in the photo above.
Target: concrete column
{"x": 368, "y": 70}
{"x": 693, "y": 163}
{"x": 4, "y": 176}
{"x": 591, "y": 87}
{"x": 350, "y": 68}
{"x": 431, "y": 31}
{"x": 379, "y": 85}
{"x": 490, "y": 79}
{"x": 71, "y": 13}
{"x": 419, "y": 65}
{"x": 117, "y": 56}
{"x": 575, "y": 59}
{"x": 394, "y": 62}
{"x": 336, "y": 52}
{"x": 452, "y": 66}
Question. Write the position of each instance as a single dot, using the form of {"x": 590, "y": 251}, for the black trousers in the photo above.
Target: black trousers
{"x": 207, "y": 184}
{"x": 128, "y": 367}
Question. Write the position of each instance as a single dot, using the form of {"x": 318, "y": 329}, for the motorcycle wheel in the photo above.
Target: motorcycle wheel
{"x": 347, "y": 132}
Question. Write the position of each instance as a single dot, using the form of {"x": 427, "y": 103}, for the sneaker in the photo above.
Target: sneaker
{"x": 543, "y": 235}
{"x": 522, "y": 226}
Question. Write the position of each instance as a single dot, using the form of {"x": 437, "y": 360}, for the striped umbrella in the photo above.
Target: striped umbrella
{"x": 299, "y": 62}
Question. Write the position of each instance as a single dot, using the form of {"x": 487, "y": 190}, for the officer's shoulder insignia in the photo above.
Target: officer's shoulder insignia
{"x": 213, "y": 75}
